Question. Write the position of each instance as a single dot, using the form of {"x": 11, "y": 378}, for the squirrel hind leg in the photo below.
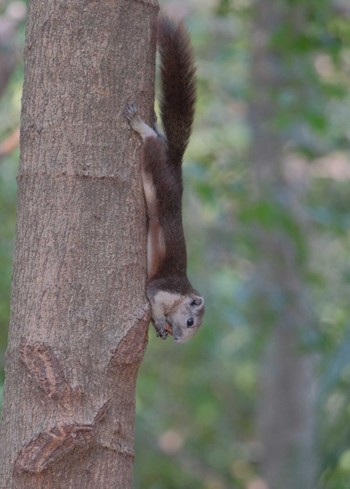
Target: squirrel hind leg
{"x": 136, "y": 123}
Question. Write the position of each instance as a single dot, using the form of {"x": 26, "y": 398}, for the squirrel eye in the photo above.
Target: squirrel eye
{"x": 190, "y": 322}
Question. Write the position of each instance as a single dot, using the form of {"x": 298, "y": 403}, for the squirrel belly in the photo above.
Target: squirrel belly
{"x": 177, "y": 308}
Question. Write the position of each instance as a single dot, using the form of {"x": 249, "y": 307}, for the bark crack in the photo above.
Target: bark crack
{"x": 77, "y": 176}
{"x": 123, "y": 450}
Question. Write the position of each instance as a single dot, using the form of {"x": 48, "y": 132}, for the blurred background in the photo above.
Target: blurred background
{"x": 260, "y": 399}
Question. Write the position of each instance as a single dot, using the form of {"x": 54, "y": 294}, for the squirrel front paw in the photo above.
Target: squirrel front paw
{"x": 160, "y": 330}
{"x": 136, "y": 123}
{"x": 130, "y": 111}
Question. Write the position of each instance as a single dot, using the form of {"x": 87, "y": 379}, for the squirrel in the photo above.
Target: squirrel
{"x": 176, "y": 307}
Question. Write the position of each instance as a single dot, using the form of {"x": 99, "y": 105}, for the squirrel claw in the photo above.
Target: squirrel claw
{"x": 161, "y": 333}
{"x": 130, "y": 111}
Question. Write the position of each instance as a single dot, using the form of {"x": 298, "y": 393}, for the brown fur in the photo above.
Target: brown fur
{"x": 178, "y": 85}
{"x": 172, "y": 297}
{"x": 166, "y": 210}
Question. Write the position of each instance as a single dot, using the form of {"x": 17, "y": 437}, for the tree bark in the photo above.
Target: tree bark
{"x": 79, "y": 316}
{"x": 284, "y": 310}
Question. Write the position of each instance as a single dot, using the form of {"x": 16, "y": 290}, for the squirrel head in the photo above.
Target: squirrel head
{"x": 185, "y": 317}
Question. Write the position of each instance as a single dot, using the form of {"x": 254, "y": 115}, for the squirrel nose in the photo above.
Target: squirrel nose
{"x": 176, "y": 333}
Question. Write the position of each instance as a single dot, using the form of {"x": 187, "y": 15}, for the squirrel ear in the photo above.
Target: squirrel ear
{"x": 197, "y": 302}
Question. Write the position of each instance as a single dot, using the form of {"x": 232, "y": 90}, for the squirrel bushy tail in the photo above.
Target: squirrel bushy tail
{"x": 178, "y": 85}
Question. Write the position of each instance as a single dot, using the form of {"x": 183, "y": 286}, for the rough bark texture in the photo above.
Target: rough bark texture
{"x": 79, "y": 316}
{"x": 286, "y": 404}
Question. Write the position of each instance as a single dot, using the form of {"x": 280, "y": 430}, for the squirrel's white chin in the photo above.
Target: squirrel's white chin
{"x": 185, "y": 336}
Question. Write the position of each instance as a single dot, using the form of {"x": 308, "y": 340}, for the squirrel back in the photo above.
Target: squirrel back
{"x": 178, "y": 85}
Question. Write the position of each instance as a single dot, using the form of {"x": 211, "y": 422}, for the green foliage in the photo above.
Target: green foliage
{"x": 214, "y": 379}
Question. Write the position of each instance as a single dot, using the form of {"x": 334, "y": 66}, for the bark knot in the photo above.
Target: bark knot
{"x": 45, "y": 369}
{"x": 51, "y": 446}
{"x": 132, "y": 346}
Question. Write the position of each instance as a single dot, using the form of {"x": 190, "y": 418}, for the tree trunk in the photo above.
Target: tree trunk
{"x": 286, "y": 404}
{"x": 79, "y": 316}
